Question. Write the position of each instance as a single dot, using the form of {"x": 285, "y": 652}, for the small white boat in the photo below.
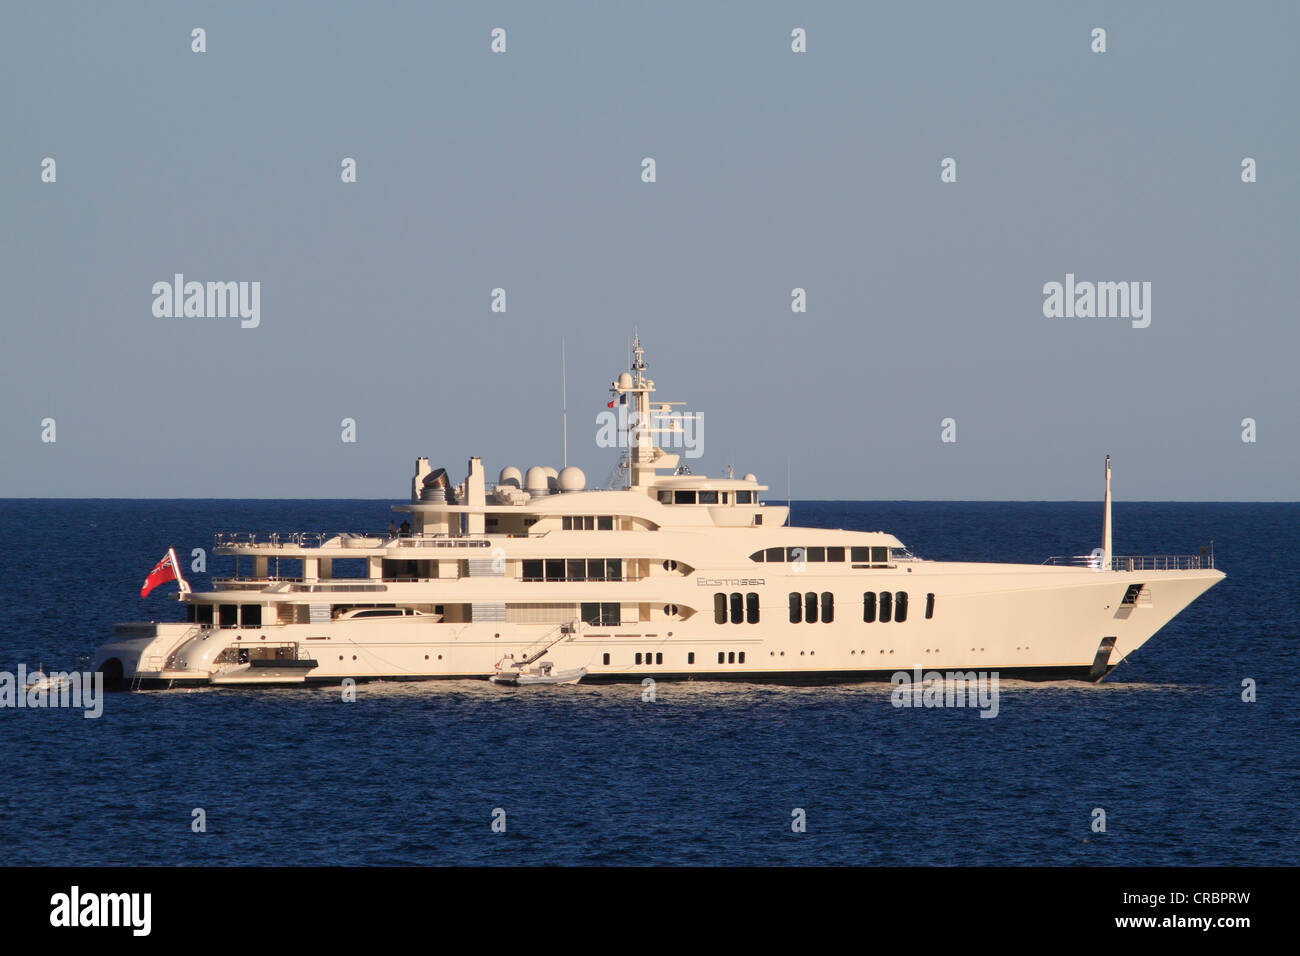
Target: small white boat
{"x": 38, "y": 680}
{"x": 513, "y": 675}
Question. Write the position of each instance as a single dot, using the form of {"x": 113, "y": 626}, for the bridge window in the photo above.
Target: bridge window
{"x": 666, "y": 497}
{"x": 886, "y": 607}
{"x": 929, "y": 606}
{"x": 744, "y": 497}
{"x": 684, "y": 497}
{"x": 900, "y": 606}
{"x": 869, "y": 607}
{"x": 708, "y": 497}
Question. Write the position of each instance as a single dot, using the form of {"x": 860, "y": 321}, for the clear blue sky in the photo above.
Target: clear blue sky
{"x": 775, "y": 170}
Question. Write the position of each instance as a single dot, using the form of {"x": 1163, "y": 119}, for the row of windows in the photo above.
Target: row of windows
{"x": 228, "y": 615}
{"x": 887, "y": 607}
{"x": 588, "y": 522}
{"x": 743, "y": 608}
{"x": 876, "y": 554}
{"x": 705, "y": 497}
{"x": 602, "y": 615}
{"x": 805, "y": 607}
{"x": 727, "y": 657}
{"x": 574, "y": 569}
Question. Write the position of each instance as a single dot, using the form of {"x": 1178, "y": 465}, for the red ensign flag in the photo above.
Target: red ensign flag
{"x": 164, "y": 571}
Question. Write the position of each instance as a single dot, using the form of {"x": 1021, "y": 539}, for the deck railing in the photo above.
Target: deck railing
{"x": 317, "y": 539}
{"x": 1142, "y": 562}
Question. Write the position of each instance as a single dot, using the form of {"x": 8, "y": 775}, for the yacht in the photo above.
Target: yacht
{"x": 666, "y": 575}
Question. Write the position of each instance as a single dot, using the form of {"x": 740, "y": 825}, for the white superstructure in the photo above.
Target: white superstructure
{"x": 672, "y": 576}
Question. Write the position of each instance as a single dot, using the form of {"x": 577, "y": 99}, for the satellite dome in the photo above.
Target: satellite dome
{"x": 625, "y": 380}
{"x": 510, "y": 475}
{"x": 572, "y": 479}
{"x": 750, "y": 477}
{"x": 535, "y": 479}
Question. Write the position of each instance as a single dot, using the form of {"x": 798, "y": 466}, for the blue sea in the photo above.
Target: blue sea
{"x": 411, "y": 773}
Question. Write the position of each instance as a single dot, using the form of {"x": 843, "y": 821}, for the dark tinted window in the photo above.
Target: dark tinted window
{"x": 577, "y": 569}
{"x": 879, "y": 555}
{"x": 828, "y": 607}
{"x": 719, "y": 608}
{"x": 708, "y": 497}
{"x": 229, "y": 615}
{"x": 555, "y": 569}
{"x": 757, "y": 556}
{"x": 744, "y": 497}
{"x": 251, "y": 615}
{"x": 860, "y": 555}
{"x": 796, "y": 607}
{"x": 532, "y": 570}
{"x": 929, "y": 606}
{"x": 737, "y": 608}
{"x": 605, "y": 523}
{"x": 810, "y": 607}
{"x": 685, "y": 497}
{"x": 751, "y": 608}
{"x": 595, "y": 569}
{"x": 834, "y": 554}
{"x": 869, "y": 607}
{"x": 816, "y": 554}
{"x": 613, "y": 569}
{"x": 886, "y": 606}
{"x": 775, "y": 555}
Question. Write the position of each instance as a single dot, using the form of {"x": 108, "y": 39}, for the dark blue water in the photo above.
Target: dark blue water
{"x": 411, "y": 773}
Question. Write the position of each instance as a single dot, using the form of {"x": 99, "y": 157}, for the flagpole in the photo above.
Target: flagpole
{"x": 176, "y": 566}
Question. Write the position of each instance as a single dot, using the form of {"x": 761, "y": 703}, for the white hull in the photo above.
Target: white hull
{"x": 1020, "y": 620}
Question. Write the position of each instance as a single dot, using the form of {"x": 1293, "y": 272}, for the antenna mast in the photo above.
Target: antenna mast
{"x": 564, "y": 402}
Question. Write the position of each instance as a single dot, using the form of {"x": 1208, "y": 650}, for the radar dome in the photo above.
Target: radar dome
{"x": 572, "y": 479}
{"x": 535, "y": 479}
{"x": 510, "y": 475}
{"x": 625, "y": 380}
{"x": 750, "y": 477}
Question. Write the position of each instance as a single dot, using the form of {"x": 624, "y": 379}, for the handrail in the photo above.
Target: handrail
{"x": 1135, "y": 562}
{"x": 317, "y": 539}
